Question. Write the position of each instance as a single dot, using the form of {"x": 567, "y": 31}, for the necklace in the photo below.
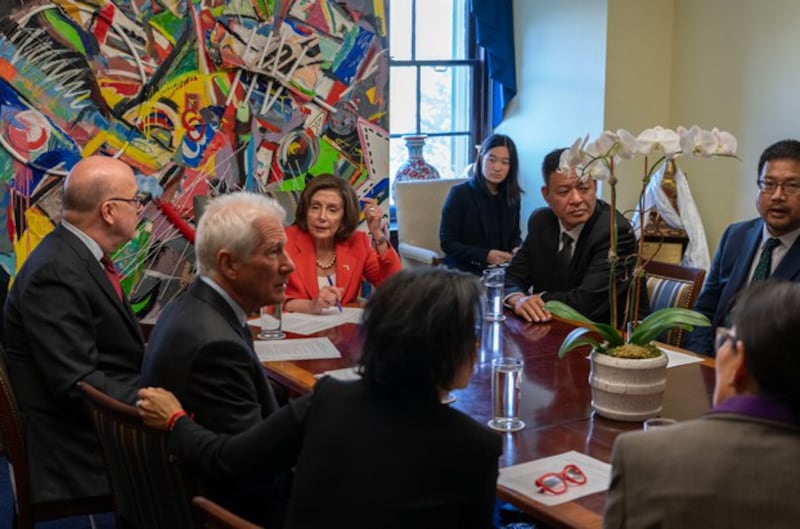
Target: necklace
{"x": 329, "y": 264}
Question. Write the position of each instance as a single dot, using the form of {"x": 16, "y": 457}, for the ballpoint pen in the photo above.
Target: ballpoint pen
{"x": 338, "y": 301}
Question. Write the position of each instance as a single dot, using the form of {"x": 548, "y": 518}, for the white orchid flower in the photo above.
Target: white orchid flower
{"x": 698, "y": 142}
{"x": 572, "y": 157}
{"x": 596, "y": 170}
{"x": 627, "y": 144}
{"x": 658, "y": 140}
{"x": 726, "y": 142}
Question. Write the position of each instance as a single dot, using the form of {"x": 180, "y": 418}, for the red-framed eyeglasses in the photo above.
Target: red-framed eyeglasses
{"x": 557, "y": 482}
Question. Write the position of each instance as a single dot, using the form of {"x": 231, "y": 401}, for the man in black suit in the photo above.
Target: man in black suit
{"x": 65, "y": 322}
{"x": 565, "y": 255}
{"x": 201, "y": 348}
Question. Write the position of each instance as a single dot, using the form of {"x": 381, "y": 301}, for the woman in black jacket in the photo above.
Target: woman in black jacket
{"x": 480, "y": 218}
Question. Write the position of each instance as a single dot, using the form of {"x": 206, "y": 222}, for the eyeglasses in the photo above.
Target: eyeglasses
{"x": 138, "y": 199}
{"x": 723, "y": 336}
{"x": 557, "y": 482}
{"x": 791, "y": 187}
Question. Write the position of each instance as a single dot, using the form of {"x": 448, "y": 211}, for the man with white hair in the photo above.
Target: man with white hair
{"x": 201, "y": 348}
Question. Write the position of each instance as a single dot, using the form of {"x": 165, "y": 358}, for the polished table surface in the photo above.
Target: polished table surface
{"x": 555, "y": 403}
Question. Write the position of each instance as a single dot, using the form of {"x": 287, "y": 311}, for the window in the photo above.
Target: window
{"x": 436, "y": 83}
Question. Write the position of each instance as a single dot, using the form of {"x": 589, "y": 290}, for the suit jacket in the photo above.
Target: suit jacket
{"x": 198, "y": 350}
{"x": 729, "y": 273}
{"x": 470, "y": 221}
{"x": 364, "y": 459}
{"x": 355, "y": 259}
{"x": 584, "y": 285}
{"x": 721, "y": 471}
{"x": 65, "y": 323}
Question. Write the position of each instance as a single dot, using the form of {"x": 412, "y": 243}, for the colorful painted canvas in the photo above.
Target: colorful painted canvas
{"x": 200, "y": 97}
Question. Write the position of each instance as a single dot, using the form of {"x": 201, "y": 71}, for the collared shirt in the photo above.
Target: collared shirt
{"x": 757, "y": 406}
{"x": 237, "y": 309}
{"x": 90, "y": 243}
{"x": 574, "y": 233}
{"x": 778, "y": 253}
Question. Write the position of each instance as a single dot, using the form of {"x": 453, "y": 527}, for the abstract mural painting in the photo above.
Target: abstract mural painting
{"x": 200, "y": 97}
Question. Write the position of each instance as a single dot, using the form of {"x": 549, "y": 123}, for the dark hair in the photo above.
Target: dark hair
{"x": 767, "y": 320}
{"x": 510, "y": 188}
{"x": 419, "y": 330}
{"x": 349, "y": 200}
{"x": 550, "y": 164}
{"x": 781, "y": 150}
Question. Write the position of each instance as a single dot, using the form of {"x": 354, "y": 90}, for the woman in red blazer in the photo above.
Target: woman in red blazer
{"x": 331, "y": 255}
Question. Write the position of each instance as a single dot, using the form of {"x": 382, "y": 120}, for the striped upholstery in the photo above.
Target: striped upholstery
{"x": 149, "y": 489}
{"x": 673, "y": 286}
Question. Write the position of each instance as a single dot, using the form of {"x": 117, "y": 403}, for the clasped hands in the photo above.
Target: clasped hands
{"x": 530, "y": 308}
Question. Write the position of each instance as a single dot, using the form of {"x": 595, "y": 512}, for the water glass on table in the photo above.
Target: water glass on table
{"x": 493, "y": 284}
{"x": 506, "y": 382}
{"x": 658, "y": 422}
{"x": 271, "y": 323}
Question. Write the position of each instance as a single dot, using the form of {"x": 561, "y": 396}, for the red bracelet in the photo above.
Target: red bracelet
{"x": 175, "y": 416}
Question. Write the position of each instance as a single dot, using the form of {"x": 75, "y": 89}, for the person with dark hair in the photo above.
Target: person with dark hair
{"x": 382, "y": 451}
{"x": 67, "y": 320}
{"x": 753, "y": 250}
{"x": 665, "y": 478}
{"x": 565, "y": 255}
{"x": 331, "y": 255}
{"x": 480, "y": 218}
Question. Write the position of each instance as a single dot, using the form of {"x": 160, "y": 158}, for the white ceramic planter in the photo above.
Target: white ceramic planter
{"x": 627, "y": 389}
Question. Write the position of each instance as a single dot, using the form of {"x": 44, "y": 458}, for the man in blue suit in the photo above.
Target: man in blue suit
{"x": 756, "y": 249}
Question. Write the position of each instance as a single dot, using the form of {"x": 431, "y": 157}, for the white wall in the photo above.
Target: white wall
{"x": 727, "y": 63}
{"x": 735, "y": 65}
{"x": 560, "y": 81}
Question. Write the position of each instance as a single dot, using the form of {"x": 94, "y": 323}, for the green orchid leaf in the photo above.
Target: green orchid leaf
{"x": 664, "y": 320}
{"x": 576, "y": 338}
{"x": 563, "y": 311}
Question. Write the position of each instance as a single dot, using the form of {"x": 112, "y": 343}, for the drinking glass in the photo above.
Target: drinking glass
{"x": 506, "y": 381}
{"x": 493, "y": 281}
{"x": 658, "y": 422}
{"x": 271, "y": 323}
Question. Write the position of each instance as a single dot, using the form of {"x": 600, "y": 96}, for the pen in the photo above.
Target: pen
{"x": 338, "y": 301}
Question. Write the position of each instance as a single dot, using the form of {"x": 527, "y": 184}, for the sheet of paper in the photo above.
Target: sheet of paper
{"x": 306, "y": 324}
{"x": 297, "y": 349}
{"x": 347, "y": 373}
{"x": 522, "y": 477}
{"x": 676, "y": 359}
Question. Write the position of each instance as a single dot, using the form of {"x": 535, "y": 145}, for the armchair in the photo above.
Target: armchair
{"x": 419, "y": 213}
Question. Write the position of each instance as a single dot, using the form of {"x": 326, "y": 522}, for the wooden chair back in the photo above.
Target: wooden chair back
{"x": 26, "y": 513}
{"x": 671, "y": 285}
{"x": 215, "y": 516}
{"x": 150, "y": 491}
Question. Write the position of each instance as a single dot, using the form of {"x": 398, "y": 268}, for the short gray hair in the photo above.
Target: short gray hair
{"x": 228, "y": 223}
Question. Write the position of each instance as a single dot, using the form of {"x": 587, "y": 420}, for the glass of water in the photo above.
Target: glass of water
{"x": 493, "y": 281}
{"x": 271, "y": 323}
{"x": 506, "y": 381}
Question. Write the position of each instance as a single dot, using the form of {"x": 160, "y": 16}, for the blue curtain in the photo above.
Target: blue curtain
{"x": 494, "y": 21}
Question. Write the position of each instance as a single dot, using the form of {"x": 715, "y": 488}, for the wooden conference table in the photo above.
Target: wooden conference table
{"x": 555, "y": 402}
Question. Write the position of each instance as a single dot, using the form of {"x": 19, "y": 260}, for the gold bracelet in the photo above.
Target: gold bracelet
{"x": 382, "y": 240}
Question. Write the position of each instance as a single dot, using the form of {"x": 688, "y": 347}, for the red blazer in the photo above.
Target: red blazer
{"x": 355, "y": 259}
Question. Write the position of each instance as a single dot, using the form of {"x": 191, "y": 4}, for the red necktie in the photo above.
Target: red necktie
{"x": 112, "y": 275}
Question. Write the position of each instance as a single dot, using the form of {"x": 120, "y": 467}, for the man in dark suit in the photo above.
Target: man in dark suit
{"x": 565, "y": 255}
{"x": 201, "y": 348}
{"x": 66, "y": 322}
{"x": 753, "y": 250}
